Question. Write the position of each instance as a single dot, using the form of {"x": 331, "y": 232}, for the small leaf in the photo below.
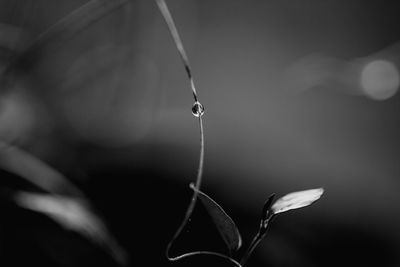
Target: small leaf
{"x": 224, "y": 223}
{"x": 296, "y": 200}
{"x": 267, "y": 207}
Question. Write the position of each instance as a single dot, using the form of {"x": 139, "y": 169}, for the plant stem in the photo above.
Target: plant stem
{"x": 192, "y": 203}
{"x": 178, "y": 42}
{"x": 67, "y": 26}
{"x": 262, "y": 232}
{"x": 209, "y": 253}
{"x": 250, "y": 249}
{"x": 179, "y": 45}
{"x": 201, "y": 157}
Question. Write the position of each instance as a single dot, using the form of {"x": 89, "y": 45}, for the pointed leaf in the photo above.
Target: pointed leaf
{"x": 267, "y": 207}
{"x": 73, "y": 214}
{"x": 224, "y": 223}
{"x": 64, "y": 202}
{"x": 35, "y": 171}
{"x": 296, "y": 200}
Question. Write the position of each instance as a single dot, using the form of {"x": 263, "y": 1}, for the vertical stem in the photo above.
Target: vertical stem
{"x": 262, "y": 232}
{"x": 179, "y": 45}
{"x": 192, "y": 203}
{"x": 201, "y": 157}
{"x": 250, "y": 249}
{"x": 178, "y": 42}
{"x": 67, "y": 26}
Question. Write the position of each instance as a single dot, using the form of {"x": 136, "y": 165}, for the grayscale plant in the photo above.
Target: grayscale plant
{"x": 225, "y": 225}
{"x": 66, "y": 205}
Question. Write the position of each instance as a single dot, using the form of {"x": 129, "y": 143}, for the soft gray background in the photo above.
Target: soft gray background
{"x": 280, "y": 82}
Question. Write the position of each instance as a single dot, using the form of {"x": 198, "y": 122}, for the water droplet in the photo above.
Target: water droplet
{"x": 197, "y": 109}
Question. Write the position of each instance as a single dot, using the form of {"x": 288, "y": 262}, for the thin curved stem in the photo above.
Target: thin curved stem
{"x": 201, "y": 157}
{"x": 210, "y": 253}
{"x": 179, "y": 45}
{"x": 79, "y": 18}
{"x": 192, "y": 203}
{"x": 250, "y": 249}
{"x": 178, "y": 42}
{"x": 69, "y": 25}
{"x": 262, "y": 232}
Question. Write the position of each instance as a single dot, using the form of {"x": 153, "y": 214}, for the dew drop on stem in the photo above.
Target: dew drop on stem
{"x": 197, "y": 109}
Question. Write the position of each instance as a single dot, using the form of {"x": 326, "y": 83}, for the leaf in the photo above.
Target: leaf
{"x": 224, "y": 223}
{"x": 74, "y": 214}
{"x": 267, "y": 207}
{"x": 35, "y": 171}
{"x": 63, "y": 202}
{"x": 296, "y": 200}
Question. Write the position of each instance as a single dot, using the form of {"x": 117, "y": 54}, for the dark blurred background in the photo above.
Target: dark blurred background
{"x": 297, "y": 95}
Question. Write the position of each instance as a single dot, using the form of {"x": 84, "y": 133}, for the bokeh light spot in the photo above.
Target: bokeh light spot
{"x": 380, "y": 79}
